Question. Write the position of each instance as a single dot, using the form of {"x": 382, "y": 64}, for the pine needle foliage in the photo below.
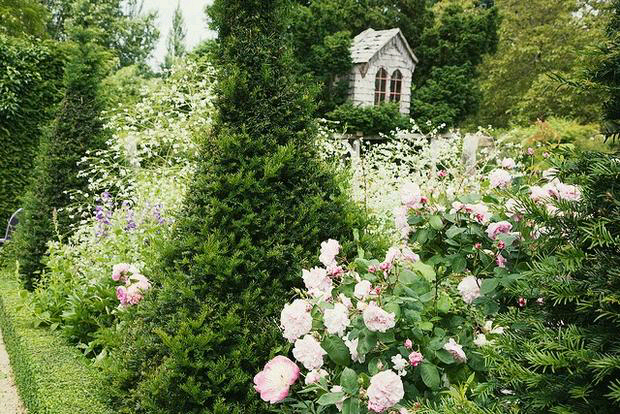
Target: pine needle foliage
{"x": 257, "y": 210}
{"x": 563, "y": 356}
{"x": 76, "y": 130}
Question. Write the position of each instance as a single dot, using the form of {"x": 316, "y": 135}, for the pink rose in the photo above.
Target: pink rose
{"x": 501, "y": 227}
{"x": 455, "y": 350}
{"x": 121, "y": 295}
{"x": 309, "y": 352}
{"x": 378, "y": 320}
{"x": 329, "y": 251}
{"x": 415, "y": 358}
{"x": 385, "y": 390}
{"x": 274, "y": 381}
{"x": 408, "y": 343}
{"x": 500, "y": 178}
{"x": 500, "y": 261}
{"x": 295, "y": 319}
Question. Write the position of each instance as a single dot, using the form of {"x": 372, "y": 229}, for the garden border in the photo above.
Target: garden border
{"x": 52, "y": 376}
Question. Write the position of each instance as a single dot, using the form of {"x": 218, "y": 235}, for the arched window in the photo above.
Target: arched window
{"x": 381, "y": 86}
{"x": 396, "y": 84}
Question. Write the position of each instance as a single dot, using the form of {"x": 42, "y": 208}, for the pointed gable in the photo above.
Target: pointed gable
{"x": 370, "y": 42}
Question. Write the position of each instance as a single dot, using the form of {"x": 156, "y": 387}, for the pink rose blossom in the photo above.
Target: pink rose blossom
{"x": 500, "y": 178}
{"x": 415, "y": 358}
{"x": 362, "y": 289}
{"x": 568, "y": 192}
{"x": 522, "y": 302}
{"x": 455, "y": 350}
{"x": 122, "y": 270}
{"x": 336, "y": 320}
{"x": 315, "y": 376}
{"x": 409, "y": 255}
{"x": 372, "y": 269}
{"x": 378, "y": 320}
{"x": 329, "y": 251}
{"x": 469, "y": 288}
{"x": 401, "y": 223}
{"x": 317, "y": 282}
{"x": 442, "y": 173}
{"x": 295, "y": 319}
{"x": 538, "y": 193}
{"x": 352, "y": 345}
{"x": 385, "y": 390}
{"x": 408, "y": 343}
{"x": 500, "y": 261}
{"x": 274, "y": 381}
{"x": 501, "y": 227}
{"x": 121, "y": 295}
{"x": 385, "y": 266}
{"x": 501, "y": 245}
{"x": 308, "y": 351}
{"x": 478, "y": 246}
{"x": 530, "y": 151}
{"x": 508, "y": 163}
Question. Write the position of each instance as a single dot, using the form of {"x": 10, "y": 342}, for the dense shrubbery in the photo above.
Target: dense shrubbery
{"x": 30, "y": 87}
{"x": 562, "y": 352}
{"x": 369, "y": 120}
{"x": 76, "y": 130}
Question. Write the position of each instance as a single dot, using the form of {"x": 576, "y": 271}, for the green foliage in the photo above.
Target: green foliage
{"x": 52, "y": 376}
{"x": 30, "y": 88}
{"x": 258, "y": 207}
{"x": 606, "y": 73}
{"x": 448, "y": 96}
{"x": 557, "y": 131}
{"x": 121, "y": 25}
{"x": 76, "y": 130}
{"x": 563, "y": 355}
{"x": 371, "y": 120}
{"x": 176, "y": 37}
{"x": 322, "y": 30}
{"x": 554, "y": 38}
{"x": 22, "y": 17}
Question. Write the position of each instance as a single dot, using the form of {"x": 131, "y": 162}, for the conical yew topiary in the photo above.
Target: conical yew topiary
{"x": 76, "y": 130}
{"x": 258, "y": 208}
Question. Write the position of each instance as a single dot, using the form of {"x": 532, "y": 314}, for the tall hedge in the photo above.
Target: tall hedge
{"x": 257, "y": 210}
{"x": 30, "y": 88}
{"x": 76, "y": 129}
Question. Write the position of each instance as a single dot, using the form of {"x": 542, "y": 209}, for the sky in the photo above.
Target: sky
{"x": 195, "y": 23}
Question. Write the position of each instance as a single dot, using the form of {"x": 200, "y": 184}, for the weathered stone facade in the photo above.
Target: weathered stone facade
{"x": 373, "y": 50}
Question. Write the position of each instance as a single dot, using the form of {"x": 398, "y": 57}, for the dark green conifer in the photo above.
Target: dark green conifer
{"x": 258, "y": 208}
{"x": 76, "y": 130}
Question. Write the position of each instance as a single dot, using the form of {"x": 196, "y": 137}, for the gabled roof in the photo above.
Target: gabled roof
{"x": 368, "y": 43}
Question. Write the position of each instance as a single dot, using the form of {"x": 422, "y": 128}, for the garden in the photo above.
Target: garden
{"x": 226, "y": 233}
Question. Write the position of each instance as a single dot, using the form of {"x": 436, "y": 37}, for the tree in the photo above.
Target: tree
{"x": 259, "y": 206}
{"x": 123, "y": 27}
{"x": 537, "y": 38}
{"x": 76, "y": 130}
{"x": 176, "y": 38}
{"x": 606, "y": 74}
{"x": 22, "y": 17}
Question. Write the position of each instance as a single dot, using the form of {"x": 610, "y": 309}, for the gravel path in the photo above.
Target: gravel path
{"x": 9, "y": 399}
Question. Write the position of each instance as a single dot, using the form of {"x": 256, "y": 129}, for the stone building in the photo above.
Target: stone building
{"x": 383, "y": 68}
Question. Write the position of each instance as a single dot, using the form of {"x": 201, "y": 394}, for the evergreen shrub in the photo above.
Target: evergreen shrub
{"x": 370, "y": 120}
{"x": 76, "y": 130}
{"x": 561, "y": 351}
{"x": 30, "y": 88}
{"x": 258, "y": 207}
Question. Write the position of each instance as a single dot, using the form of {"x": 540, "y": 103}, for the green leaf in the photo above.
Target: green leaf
{"x": 436, "y": 222}
{"x": 426, "y": 326}
{"x": 367, "y": 341}
{"x": 422, "y": 236}
{"x": 394, "y": 308}
{"x": 336, "y": 350}
{"x": 330, "y": 398}
{"x": 445, "y": 356}
{"x": 488, "y": 286}
{"x": 444, "y": 303}
{"x": 425, "y": 270}
{"x": 454, "y": 231}
{"x": 351, "y": 406}
{"x": 459, "y": 264}
{"x": 430, "y": 375}
{"x": 348, "y": 381}
{"x": 407, "y": 277}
